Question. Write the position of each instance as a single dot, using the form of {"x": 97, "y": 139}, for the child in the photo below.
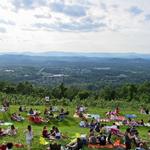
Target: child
{"x": 29, "y": 136}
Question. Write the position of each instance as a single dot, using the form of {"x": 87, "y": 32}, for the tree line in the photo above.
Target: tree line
{"x": 126, "y": 92}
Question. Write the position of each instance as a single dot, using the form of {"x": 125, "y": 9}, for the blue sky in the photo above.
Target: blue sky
{"x": 75, "y": 25}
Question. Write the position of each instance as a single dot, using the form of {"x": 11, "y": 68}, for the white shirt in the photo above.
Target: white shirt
{"x": 113, "y": 127}
{"x": 29, "y": 135}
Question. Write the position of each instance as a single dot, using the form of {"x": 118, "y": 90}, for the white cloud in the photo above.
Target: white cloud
{"x": 75, "y": 25}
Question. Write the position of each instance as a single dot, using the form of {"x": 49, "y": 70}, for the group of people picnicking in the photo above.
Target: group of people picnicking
{"x": 99, "y": 132}
{"x": 12, "y": 131}
{"x": 54, "y": 133}
{"x": 35, "y": 115}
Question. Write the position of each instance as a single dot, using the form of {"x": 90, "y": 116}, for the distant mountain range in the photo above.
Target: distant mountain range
{"x": 74, "y": 54}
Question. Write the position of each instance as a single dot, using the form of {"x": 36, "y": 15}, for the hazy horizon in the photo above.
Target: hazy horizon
{"x": 106, "y": 26}
{"x": 72, "y": 52}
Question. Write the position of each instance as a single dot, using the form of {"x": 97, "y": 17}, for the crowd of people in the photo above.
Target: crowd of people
{"x": 99, "y": 133}
{"x": 105, "y": 132}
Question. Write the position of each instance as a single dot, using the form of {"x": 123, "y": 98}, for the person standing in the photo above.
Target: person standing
{"x": 128, "y": 139}
{"x": 29, "y": 136}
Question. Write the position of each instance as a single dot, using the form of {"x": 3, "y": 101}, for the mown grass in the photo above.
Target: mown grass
{"x": 69, "y": 127}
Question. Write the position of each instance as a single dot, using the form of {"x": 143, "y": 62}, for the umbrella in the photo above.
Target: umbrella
{"x": 130, "y": 116}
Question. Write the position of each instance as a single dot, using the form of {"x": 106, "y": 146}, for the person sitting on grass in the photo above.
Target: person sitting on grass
{"x": 117, "y": 110}
{"x": 102, "y": 139}
{"x": 52, "y": 131}
{"x": 142, "y": 110}
{"x": 22, "y": 109}
{"x": 140, "y": 144}
{"x": 92, "y": 139}
{"x": 14, "y": 117}
{"x": 97, "y": 127}
{"x": 82, "y": 109}
{"x": 54, "y": 146}
{"x": 37, "y": 119}
{"x": 20, "y": 117}
{"x": 140, "y": 147}
{"x": 6, "y": 104}
{"x": 114, "y": 126}
{"x": 45, "y": 133}
{"x": 84, "y": 123}
{"x": 141, "y": 122}
{"x": 3, "y": 109}
{"x": 62, "y": 114}
{"x": 52, "y": 135}
{"x": 9, "y": 146}
{"x": 57, "y": 134}
{"x": 51, "y": 115}
{"x": 108, "y": 114}
{"x": 46, "y": 112}
{"x": 93, "y": 123}
{"x": 17, "y": 117}
{"x": 12, "y": 131}
{"x": 31, "y": 112}
{"x": 2, "y": 132}
{"x": 78, "y": 145}
{"x": 137, "y": 139}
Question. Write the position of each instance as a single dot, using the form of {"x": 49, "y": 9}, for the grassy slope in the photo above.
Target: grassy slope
{"x": 68, "y": 127}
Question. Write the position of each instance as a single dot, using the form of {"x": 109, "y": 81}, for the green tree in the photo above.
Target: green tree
{"x": 83, "y": 94}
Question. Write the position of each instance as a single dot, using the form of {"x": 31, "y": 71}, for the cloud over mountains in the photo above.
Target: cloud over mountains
{"x": 77, "y": 22}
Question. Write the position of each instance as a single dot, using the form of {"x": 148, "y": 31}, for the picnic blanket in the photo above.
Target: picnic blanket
{"x": 117, "y": 118}
{"x": 98, "y": 146}
{"x": 17, "y": 145}
{"x": 6, "y": 123}
{"x": 119, "y": 123}
{"x": 95, "y": 116}
{"x": 147, "y": 124}
{"x": 104, "y": 120}
{"x": 130, "y": 116}
{"x": 107, "y": 146}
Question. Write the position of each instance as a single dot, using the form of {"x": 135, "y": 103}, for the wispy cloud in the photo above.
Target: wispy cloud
{"x": 73, "y": 10}
{"x": 86, "y": 24}
{"x": 135, "y": 10}
{"x": 48, "y": 16}
{"x": 147, "y": 17}
{"x": 2, "y": 30}
{"x": 27, "y": 4}
{"x": 7, "y": 22}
